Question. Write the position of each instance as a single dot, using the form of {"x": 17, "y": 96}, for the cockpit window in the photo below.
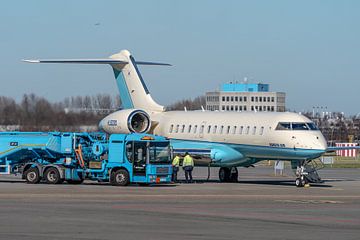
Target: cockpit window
{"x": 299, "y": 126}
{"x": 312, "y": 126}
{"x": 296, "y": 126}
{"x": 283, "y": 126}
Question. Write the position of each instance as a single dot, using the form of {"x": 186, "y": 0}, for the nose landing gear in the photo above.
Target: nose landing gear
{"x": 306, "y": 172}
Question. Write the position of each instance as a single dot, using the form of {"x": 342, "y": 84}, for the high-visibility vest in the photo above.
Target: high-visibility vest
{"x": 188, "y": 161}
{"x": 176, "y": 161}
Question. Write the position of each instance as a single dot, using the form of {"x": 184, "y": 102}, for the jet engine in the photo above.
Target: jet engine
{"x": 126, "y": 121}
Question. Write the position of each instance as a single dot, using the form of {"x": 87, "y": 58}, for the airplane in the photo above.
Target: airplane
{"x": 214, "y": 138}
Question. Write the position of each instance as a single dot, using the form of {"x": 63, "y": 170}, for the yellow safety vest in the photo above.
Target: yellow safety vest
{"x": 188, "y": 161}
{"x": 176, "y": 161}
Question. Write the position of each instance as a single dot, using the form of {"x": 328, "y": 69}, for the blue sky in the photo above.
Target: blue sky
{"x": 308, "y": 49}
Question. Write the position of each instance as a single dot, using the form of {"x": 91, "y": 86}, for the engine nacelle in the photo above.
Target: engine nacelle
{"x": 126, "y": 121}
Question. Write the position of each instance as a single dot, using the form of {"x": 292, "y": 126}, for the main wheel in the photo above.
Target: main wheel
{"x": 234, "y": 174}
{"x": 120, "y": 178}
{"x": 52, "y": 176}
{"x": 224, "y": 174}
{"x": 32, "y": 175}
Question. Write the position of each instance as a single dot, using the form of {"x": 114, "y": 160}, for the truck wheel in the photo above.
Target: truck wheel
{"x": 52, "y": 176}
{"x": 120, "y": 178}
{"x": 32, "y": 175}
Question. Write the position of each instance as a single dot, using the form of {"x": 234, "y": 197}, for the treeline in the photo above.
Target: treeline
{"x": 190, "y": 104}
{"x": 34, "y": 113}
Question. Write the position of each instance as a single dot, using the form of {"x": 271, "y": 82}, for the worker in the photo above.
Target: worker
{"x": 175, "y": 164}
{"x": 188, "y": 166}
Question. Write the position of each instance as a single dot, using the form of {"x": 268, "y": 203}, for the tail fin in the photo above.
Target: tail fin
{"x": 131, "y": 85}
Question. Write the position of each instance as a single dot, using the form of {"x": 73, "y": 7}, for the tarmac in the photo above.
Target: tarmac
{"x": 259, "y": 206}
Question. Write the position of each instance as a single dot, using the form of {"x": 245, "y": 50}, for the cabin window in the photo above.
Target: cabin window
{"x": 221, "y": 129}
{"x": 247, "y": 130}
{"x": 171, "y": 128}
{"x": 195, "y": 128}
{"x": 177, "y": 128}
{"x": 215, "y": 129}
{"x": 241, "y": 130}
{"x": 261, "y": 131}
{"x": 209, "y": 128}
{"x": 182, "y": 128}
{"x": 234, "y": 130}
{"x": 202, "y": 129}
{"x": 254, "y": 130}
{"x": 189, "y": 129}
{"x": 228, "y": 130}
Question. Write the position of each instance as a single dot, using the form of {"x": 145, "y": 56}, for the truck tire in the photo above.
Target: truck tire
{"x": 120, "y": 178}
{"x": 52, "y": 176}
{"x": 32, "y": 175}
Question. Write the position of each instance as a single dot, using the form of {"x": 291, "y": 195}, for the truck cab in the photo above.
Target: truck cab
{"x": 146, "y": 159}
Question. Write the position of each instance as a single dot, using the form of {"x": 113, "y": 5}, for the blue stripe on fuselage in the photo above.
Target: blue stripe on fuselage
{"x": 251, "y": 151}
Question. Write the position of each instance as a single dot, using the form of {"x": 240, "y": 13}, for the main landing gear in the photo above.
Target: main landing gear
{"x": 228, "y": 174}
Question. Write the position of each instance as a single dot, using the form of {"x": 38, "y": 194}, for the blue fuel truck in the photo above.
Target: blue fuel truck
{"x": 55, "y": 157}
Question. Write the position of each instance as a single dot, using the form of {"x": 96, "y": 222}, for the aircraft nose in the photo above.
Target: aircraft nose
{"x": 321, "y": 142}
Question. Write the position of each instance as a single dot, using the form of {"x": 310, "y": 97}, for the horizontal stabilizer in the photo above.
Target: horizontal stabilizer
{"x": 81, "y": 61}
{"x": 152, "y": 63}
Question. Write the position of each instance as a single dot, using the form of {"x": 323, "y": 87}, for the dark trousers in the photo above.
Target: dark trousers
{"x": 175, "y": 172}
{"x": 188, "y": 173}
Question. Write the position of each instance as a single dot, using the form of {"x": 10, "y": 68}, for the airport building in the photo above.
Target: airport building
{"x": 245, "y": 97}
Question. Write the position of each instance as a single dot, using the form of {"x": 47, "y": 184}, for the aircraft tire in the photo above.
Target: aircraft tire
{"x": 234, "y": 174}
{"x": 52, "y": 176}
{"x": 32, "y": 175}
{"x": 224, "y": 174}
{"x": 299, "y": 182}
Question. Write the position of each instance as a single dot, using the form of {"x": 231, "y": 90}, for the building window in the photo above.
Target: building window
{"x": 245, "y": 108}
{"x": 223, "y": 99}
{"x": 252, "y": 99}
{"x": 227, "y": 108}
{"x": 223, "y": 108}
{"x": 227, "y": 99}
{"x": 171, "y": 128}
{"x": 272, "y": 99}
{"x": 245, "y": 99}
{"x": 240, "y": 108}
{"x": 232, "y": 108}
{"x": 260, "y": 108}
{"x": 252, "y": 108}
{"x": 256, "y": 99}
{"x": 236, "y": 99}
{"x": 236, "y": 108}
{"x": 240, "y": 99}
{"x": 272, "y": 108}
{"x": 232, "y": 99}
{"x": 260, "y": 99}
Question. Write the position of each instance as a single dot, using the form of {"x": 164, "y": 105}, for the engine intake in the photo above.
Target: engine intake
{"x": 126, "y": 121}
